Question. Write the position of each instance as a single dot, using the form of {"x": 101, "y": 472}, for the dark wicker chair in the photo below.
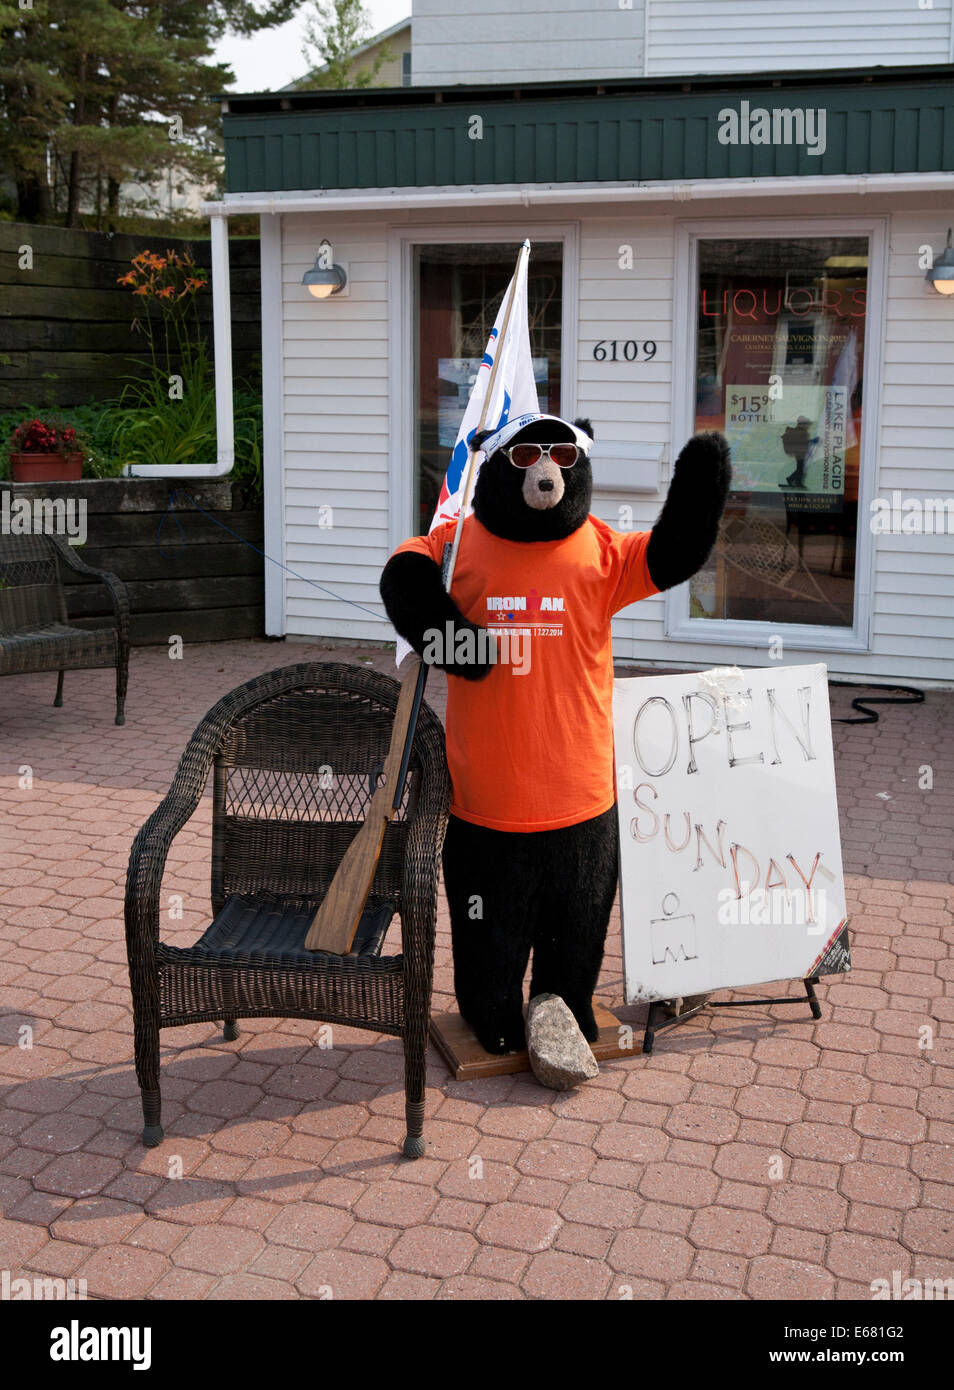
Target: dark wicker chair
{"x": 35, "y": 631}
{"x": 294, "y": 756}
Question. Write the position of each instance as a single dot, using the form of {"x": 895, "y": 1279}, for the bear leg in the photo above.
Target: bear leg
{"x": 580, "y": 886}
{"x": 489, "y": 883}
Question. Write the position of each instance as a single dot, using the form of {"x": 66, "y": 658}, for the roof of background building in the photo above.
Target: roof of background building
{"x": 373, "y": 42}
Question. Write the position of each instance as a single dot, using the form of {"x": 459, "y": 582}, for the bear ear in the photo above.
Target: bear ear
{"x": 586, "y": 426}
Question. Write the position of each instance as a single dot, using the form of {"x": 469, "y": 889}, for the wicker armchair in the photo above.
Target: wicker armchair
{"x": 35, "y": 631}
{"x": 294, "y": 756}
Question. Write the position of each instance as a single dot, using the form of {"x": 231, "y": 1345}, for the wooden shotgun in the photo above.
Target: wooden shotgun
{"x": 335, "y": 923}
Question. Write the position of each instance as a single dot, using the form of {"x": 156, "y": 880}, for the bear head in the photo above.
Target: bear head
{"x": 540, "y": 503}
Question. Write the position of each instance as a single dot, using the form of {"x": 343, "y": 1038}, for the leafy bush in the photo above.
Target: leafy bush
{"x": 158, "y": 423}
{"x": 158, "y": 419}
{"x": 152, "y": 426}
{"x": 145, "y": 426}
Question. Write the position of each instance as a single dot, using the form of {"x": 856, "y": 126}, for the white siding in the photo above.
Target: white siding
{"x": 336, "y": 422}
{"x": 625, "y": 400}
{"x": 335, "y": 430}
{"x": 694, "y": 36}
{"x": 492, "y": 40}
{"x": 546, "y": 41}
{"x": 914, "y": 577}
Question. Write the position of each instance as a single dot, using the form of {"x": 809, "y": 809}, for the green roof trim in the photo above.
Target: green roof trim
{"x": 893, "y": 121}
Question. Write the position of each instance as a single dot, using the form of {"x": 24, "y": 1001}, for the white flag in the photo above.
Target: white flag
{"x": 514, "y": 393}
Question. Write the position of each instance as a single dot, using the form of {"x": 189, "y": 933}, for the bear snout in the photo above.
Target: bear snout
{"x": 543, "y": 485}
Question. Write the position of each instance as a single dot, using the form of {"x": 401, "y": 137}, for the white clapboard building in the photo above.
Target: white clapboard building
{"x": 738, "y": 211}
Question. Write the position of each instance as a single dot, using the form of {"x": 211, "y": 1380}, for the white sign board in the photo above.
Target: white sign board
{"x": 730, "y": 854}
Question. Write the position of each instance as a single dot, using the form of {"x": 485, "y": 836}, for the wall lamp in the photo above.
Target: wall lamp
{"x": 325, "y": 278}
{"x": 941, "y": 274}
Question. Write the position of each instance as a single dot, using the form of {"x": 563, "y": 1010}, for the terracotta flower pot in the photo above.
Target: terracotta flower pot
{"x": 46, "y": 468}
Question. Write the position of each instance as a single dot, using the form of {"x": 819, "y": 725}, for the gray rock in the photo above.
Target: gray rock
{"x": 559, "y": 1054}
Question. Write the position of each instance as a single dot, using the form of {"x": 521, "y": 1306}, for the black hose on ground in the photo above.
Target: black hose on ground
{"x": 862, "y": 702}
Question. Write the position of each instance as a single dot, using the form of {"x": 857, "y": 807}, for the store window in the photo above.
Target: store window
{"x": 780, "y": 332}
{"x": 458, "y": 291}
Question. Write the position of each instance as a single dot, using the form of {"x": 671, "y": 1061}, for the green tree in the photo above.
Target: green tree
{"x": 33, "y": 98}
{"x": 333, "y": 35}
{"x": 97, "y": 92}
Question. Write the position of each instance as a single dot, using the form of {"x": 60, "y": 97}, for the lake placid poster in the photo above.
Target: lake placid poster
{"x": 730, "y": 853}
{"x": 793, "y": 445}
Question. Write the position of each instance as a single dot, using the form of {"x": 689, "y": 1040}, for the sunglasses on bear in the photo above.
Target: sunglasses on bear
{"x": 526, "y": 455}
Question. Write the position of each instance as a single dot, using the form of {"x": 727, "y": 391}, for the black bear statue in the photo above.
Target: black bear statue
{"x": 531, "y": 854}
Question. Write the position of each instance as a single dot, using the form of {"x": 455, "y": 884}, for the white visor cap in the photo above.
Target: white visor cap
{"x": 503, "y": 436}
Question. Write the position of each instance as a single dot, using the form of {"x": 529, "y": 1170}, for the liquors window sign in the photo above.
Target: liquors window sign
{"x": 780, "y": 327}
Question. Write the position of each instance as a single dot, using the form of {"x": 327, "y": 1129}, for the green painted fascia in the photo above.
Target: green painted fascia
{"x": 870, "y": 129}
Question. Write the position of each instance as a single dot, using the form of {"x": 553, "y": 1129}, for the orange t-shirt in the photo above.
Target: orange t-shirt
{"x": 535, "y": 751}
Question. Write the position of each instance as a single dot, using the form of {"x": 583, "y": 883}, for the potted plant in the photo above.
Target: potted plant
{"x": 45, "y": 451}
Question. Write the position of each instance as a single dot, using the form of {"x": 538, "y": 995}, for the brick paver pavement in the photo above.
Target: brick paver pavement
{"x": 755, "y": 1155}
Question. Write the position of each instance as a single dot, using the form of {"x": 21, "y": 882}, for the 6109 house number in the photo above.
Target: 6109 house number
{"x": 607, "y": 351}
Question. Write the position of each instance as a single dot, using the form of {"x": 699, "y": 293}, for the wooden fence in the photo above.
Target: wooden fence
{"x": 186, "y": 575}
{"x": 65, "y": 324}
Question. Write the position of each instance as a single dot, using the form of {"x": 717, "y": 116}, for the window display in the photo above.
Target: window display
{"x": 779, "y": 369}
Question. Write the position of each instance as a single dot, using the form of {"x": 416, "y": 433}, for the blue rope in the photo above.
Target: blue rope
{"x": 170, "y": 511}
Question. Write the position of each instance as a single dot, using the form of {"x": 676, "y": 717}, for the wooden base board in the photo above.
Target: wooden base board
{"x": 467, "y": 1060}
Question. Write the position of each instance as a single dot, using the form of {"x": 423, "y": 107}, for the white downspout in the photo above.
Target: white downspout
{"x": 222, "y": 346}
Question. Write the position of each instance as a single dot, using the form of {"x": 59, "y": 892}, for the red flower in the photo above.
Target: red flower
{"x": 42, "y": 437}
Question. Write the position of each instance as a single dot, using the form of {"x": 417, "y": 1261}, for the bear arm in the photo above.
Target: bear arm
{"x": 417, "y": 604}
{"x": 687, "y": 526}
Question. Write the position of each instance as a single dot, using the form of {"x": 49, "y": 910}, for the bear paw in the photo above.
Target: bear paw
{"x": 464, "y": 650}
{"x": 498, "y": 1035}
{"x": 583, "y": 1013}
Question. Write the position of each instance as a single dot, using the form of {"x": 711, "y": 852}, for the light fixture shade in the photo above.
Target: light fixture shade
{"x": 322, "y": 281}
{"x": 941, "y": 274}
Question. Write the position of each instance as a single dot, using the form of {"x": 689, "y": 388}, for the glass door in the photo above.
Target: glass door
{"x": 458, "y": 289}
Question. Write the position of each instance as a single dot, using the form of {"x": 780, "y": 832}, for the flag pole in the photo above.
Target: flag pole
{"x": 335, "y": 922}
{"x": 450, "y": 553}
{"x": 471, "y": 450}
